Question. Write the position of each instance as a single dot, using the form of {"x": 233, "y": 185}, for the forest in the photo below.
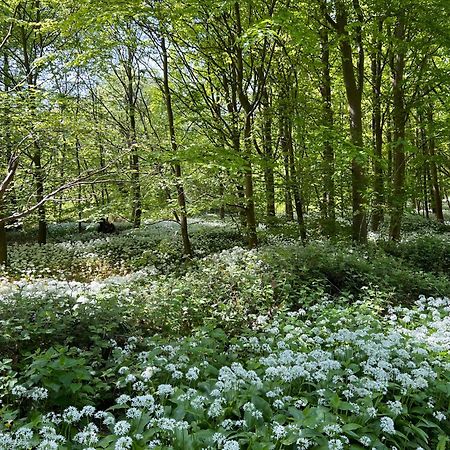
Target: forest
{"x": 224, "y": 224}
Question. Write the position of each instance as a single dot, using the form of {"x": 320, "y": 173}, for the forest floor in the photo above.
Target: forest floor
{"x": 117, "y": 342}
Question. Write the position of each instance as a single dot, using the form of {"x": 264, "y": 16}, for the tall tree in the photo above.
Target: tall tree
{"x": 353, "y": 80}
{"x": 399, "y": 122}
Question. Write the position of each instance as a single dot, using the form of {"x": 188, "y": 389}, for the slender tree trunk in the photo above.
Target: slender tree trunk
{"x": 239, "y": 187}
{"x": 295, "y": 182}
{"x": 131, "y": 94}
{"x": 222, "y": 203}
{"x": 7, "y": 141}
{"x": 329, "y": 208}
{"x": 39, "y": 180}
{"x": 377, "y": 131}
{"x": 354, "y": 99}
{"x": 80, "y": 197}
{"x": 3, "y": 241}
{"x": 399, "y": 119}
{"x": 101, "y": 151}
{"x": 289, "y": 211}
{"x": 433, "y": 169}
{"x": 269, "y": 179}
{"x": 187, "y": 248}
{"x": 248, "y": 177}
{"x": 32, "y": 78}
{"x": 248, "y": 108}
{"x": 425, "y": 193}
{"x": 241, "y": 205}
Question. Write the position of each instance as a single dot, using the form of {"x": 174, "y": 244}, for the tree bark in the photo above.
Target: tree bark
{"x": 131, "y": 96}
{"x": 3, "y": 241}
{"x": 187, "y": 248}
{"x": 39, "y": 180}
{"x": 353, "y": 87}
{"x": 248, "y": 108}
{"x": 248, "y": 177}
{"x": 328, "y": 208}
{"x": 289, "y": 211}
{"x": 433, "y": 169}
{"x": 399, "y": 122}
{"x": 80, "y": 196}
{"x": 269, "y": 179}
{"x": 32, "y": 78}
{"x": 295, "y": 182}
{"x": 377, "y": 132}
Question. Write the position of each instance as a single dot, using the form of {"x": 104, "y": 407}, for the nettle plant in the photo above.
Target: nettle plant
{"x": 331, "y": 376}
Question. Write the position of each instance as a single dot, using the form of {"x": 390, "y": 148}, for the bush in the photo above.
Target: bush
{"x": 338, "y": 270}
{"x": 428, "y": 253}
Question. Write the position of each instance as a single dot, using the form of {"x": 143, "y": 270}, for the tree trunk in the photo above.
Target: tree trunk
{"x": 328, "y": 208}
{"x": 433, "y": 169}
{"x": 187, "y": 248}
{"x": 248, "y": 108}
{"x": 222, "y": 202}
{"x": 377, "y": 132}
{"x": 399, "y": 121}
{"x": 39, "y": 180}
{"x": 248, "y": 177}
{"x": 354, "y": 96}
{"x": 79, "y": 199}
{"x": 289, "y": 211}
{"x": 295, "y": 182}
{"x": 131, "y": 95}
{"x": 269, "y": 180}
{"x": 3, "y": 242}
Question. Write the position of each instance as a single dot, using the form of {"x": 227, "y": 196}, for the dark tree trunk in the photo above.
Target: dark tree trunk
{"x": 353, "y": 88}
{"x": 399, "y": 121}
{"x": 248, "y": 177}
{"x": 433, "y": 169}
{"x": 328, "y": 208}
{"x": 39, "y": 180}
{"x": 222, "y": 201}
{"x": 187, "y": 248}
{"x": 377, "y": 132}
{"x": 3, "y": 242}
{"x": 288, "y": 209}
